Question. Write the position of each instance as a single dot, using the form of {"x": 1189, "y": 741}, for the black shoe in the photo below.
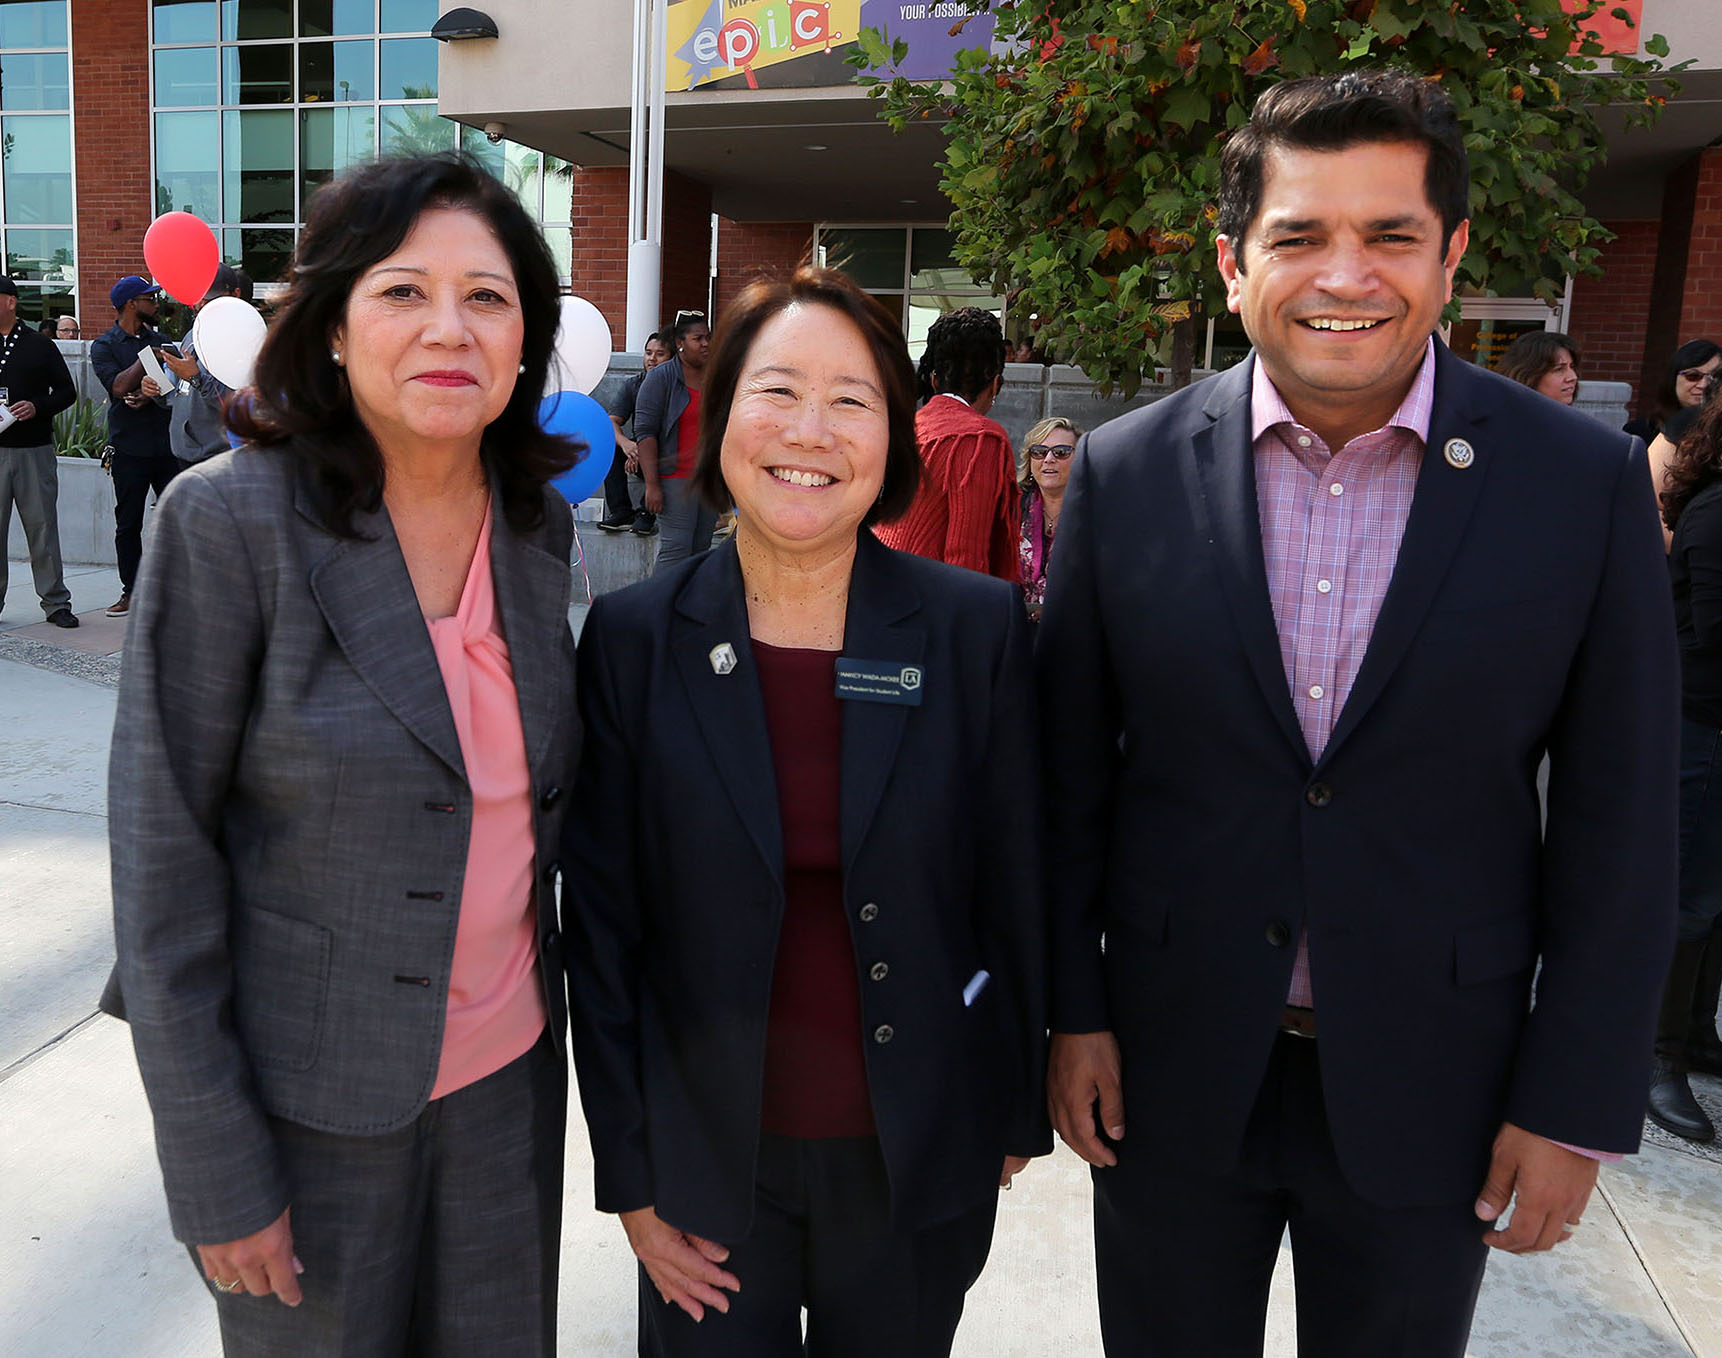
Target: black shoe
{"x": 63, "y": 617}
{"x": 1704, "y": 1052}
{"x": 1672, "y": 1106}
{"x": 645, "y": 523}
{"x": 610, "y": 525}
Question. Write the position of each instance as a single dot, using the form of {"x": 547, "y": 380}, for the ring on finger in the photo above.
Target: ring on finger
{"x": 227, "y": 1287}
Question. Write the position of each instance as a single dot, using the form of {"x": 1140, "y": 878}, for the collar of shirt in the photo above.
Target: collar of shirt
{"x": 1268, "y": 407}
{"x": 953, "y": 395}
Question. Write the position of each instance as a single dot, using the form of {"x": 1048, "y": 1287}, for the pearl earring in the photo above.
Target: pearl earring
{"x": 522, "y": 368}
{"x": 335, "y": 354}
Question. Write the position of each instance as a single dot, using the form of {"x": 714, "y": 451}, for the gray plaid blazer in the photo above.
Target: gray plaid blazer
{"x": 289, "y": 819}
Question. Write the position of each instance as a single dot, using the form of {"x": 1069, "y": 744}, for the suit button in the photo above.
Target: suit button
{"x": 1279, "y": 934}
{"x": 868, "y": 913}
{"x": 879, "y": 971}
{"x": 1318, "y": 794}
{"x": 884, "y": 1033}
{"x": 551, "y": 796}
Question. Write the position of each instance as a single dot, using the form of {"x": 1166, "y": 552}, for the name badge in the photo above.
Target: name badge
{"x": 879, "y": 681}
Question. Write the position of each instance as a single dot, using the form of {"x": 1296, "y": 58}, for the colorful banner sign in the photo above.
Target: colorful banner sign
{"x": 801, "y": 44}
{"x": 1618, "y": 36}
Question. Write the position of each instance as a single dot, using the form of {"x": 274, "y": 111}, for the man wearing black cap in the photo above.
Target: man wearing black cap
{"x": 34, "y": 387}
{"x": 137, "y": 421}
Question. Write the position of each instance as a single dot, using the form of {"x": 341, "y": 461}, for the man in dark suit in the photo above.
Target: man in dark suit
{"x": 1315, "y": 622}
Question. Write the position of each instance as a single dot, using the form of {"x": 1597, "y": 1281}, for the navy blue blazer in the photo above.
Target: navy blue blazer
{"x": 675, "y": 862}
{"x": 1528, "y": 614}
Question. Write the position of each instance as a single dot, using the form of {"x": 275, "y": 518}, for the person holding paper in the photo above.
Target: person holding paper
{"x": 197, "y": 430}
{"x": 805, "y": 927}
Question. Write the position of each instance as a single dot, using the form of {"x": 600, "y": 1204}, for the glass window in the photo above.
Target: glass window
{"x": 332, "y": 18}
{"x": 186, "y": 21}
{"x": 411, "y": 129}
{"x": 263, "y": 252}
{"x": 32, "y": 23}
{"x": 331, "y": 139}
{"x": 36, "y": 304}
{"x": 187, "y": 178}
{"x": 923, "y": 311}
{"x": 244, "y": 19}
{"x": 873, "y": 257}
{"x": 34, "y": 81}
{"x": 560, "y": 239}
{"x": 408, "y": 68}
{"x": 335, "y": 72}
{"x": 257, "y": 75}
{"x": 185, "y": 76}
{"x": 930, "y": 247}
{"x": 493, "y": 155}
{"x": 257, "y": 166}
{"x": 39, "y": 255}
{"x": 38, "y": 172}
{"x": 408, "y": 16}
{"x": 558, "y": 190}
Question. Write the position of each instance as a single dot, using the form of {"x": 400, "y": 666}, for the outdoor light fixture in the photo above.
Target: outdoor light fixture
{"x": 460, "y": 24}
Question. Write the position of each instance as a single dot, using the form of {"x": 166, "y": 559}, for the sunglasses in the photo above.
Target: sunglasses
{"x": 1040, "y": 452}
{"x": 1698, "y": 375}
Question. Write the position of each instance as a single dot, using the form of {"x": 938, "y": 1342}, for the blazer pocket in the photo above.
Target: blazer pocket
{"x": 1495, "y": 950}
{"x": 280, "y": 987}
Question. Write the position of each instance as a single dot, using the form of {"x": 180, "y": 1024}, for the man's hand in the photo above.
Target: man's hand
{"x": 264, "y": 1262}
{"x": 148, "y": 387}
{"x": 1551, "y": 1186}
{"x": 654, "y": 498}
{"x": 1013, "y": 1166}
{"x": 136, "y": 399}
{"x": 182, "y": 368}
{"x": 683, "y": 1267}
{"x": 23, "y": 410}
{"x": 1085, "y": 1069}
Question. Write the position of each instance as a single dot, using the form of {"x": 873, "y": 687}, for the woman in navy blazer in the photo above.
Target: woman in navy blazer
{"x": 806, "y": 921}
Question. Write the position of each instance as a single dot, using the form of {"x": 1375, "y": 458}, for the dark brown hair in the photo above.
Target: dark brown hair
{"x": 1528, "y": 359}
{"x": 1333, "y": 113}
{"x": 1697, "y": 460}
{"x": 740, "y": 325}
{"x": 300, "y": 400}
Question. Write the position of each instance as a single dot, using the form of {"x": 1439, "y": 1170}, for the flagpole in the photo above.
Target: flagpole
{"x": 646, "y": 172}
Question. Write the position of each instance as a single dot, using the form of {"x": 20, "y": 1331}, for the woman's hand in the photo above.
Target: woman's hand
{"x": 682, "y": 1267}
{"x": 263, "y": 1261}
{"x": 654, "y": 498}
{"x": 1013, "y": 1165}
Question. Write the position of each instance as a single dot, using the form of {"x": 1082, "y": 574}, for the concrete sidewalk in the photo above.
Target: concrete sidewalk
{"x": 87, "y": 1266}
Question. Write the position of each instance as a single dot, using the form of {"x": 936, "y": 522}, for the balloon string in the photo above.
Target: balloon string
{"x": 580, "y": 558}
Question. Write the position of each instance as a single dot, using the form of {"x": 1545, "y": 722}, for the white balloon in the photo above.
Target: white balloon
{"x": 228, "y": 335}
{"x": 582, "y": 354}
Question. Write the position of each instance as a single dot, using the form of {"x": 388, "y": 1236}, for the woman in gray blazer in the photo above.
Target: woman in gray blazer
{"x": 343, "y": 732}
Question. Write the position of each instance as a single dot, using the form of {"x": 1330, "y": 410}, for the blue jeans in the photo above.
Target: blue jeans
{"x": 1700, "y": 829}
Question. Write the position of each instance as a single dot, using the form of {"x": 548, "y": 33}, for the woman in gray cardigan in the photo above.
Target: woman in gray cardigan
{"x": 342, "y": 734}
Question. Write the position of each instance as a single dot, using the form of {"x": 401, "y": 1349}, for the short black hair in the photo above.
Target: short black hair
{"x": 1528, "y": 359}
{"x": 743, "y": 319}
{"x": 965, "y": 352}
{"x": 352, "y": 223}
{"x": 1333, "y": 113}
{"x": 1693, "y": 354}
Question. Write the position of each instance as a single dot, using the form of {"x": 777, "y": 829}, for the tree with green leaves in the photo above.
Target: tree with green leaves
{"x": 1083, "y": 156}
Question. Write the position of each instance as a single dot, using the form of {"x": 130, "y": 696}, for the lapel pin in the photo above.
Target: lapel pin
{"x": 723, "y": 658}
{"x": 1459, "y": 453}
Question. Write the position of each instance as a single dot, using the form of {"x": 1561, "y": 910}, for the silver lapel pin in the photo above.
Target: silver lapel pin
{"x": 723, "y": 658}
{"x": 1459, "y": 453}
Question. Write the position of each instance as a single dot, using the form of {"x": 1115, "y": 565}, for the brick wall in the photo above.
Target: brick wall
{"x": 748, "y": 249}
{"x": 111, "y": 125}
{"x": 687, "y": 247}
{"x": 1611, "y": 314}
{"x": 600, "y": 267}
{"x": 1702, "y": 314}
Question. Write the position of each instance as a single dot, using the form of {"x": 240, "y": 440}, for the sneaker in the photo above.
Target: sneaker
{"x": 63, "y": 617}
{"x": 610, "y": 525}
{"x": 645, "y": 523}
{"x": 122, "y": 607}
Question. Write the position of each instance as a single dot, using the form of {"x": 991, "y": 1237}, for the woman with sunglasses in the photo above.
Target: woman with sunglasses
{"x": 1046, "y": 468}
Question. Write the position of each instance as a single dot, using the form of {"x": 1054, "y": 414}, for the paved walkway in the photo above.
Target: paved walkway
{"x": 88, "y": 1270}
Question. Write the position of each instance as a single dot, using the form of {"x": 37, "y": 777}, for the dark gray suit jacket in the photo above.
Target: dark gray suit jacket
{"x": 289, "y": 820}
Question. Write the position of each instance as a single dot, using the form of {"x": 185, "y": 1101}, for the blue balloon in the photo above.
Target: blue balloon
{"x": 574, "y": 415}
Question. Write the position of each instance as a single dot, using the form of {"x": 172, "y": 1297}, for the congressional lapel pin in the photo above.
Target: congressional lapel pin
{"x": 1459, "y": 453}
{"x": 879, "y": 681}
{"x": 723, "y": 658}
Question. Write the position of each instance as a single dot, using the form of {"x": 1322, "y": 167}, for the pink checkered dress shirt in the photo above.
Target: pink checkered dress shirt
{"x": 1331, "y": 526}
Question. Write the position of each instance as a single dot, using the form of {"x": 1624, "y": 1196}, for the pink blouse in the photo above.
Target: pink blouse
{"x": 495, "y": 1003}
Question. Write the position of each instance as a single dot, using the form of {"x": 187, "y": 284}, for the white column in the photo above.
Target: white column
{"x": 646, "y": 172}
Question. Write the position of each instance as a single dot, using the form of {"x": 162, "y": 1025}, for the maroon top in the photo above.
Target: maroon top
{"x": 815, "y": 1071}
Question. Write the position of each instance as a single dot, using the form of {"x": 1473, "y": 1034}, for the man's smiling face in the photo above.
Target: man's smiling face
{"x": 1343, "y": 274}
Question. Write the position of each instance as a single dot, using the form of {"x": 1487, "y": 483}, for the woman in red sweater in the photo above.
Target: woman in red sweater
{"x": 966, "y": 512}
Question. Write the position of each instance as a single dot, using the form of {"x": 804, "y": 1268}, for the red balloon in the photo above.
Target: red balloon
{"x": 182, "y": 255}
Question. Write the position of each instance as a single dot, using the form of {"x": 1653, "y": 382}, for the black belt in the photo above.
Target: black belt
{"x": 1297, "y": 1021}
